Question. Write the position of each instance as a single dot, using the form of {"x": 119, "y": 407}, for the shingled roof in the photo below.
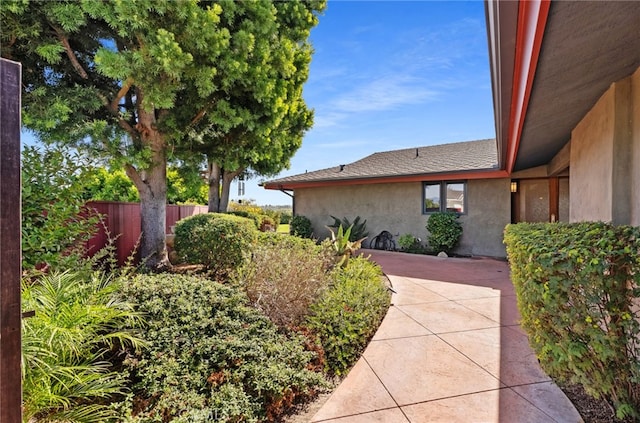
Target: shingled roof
{"x": 443, "y": 159}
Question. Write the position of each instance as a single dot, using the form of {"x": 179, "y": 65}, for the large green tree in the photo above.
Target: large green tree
{"x": 265, "y": 128}
{"x": 129, "y": 79}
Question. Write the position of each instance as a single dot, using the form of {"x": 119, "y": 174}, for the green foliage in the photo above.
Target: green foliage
{"x": 410, "y": 244}
{"x": 70, "y": 344}
{"x": 212, "y": 357}
{"x": 285, "y": 217}
{"x": 301, "y": 226}
{"x": 111, "y": 185}
{"x": 185, "y": 185}
{"x": 577, "y": 287}
{"x": 275, "y": 215}
{"x": 343, "y": 246}
{"x": 444, "y": 231}
{"x": 220, "y": 242}
{"x": 55, "y": 224}
{"x": 285, "y": 276}
{"x": 348, "y": 313}
{"x": 267, "y": 224}
{"x": 256, "y": 213}
{"x": 358, "y": 228}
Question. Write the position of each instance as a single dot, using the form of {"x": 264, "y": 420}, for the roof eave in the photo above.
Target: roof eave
{"x": 456, "y": 175}
{"x": 515, "y": 31}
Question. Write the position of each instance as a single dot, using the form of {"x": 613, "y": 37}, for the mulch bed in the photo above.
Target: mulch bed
{"x": 591, "y": 410}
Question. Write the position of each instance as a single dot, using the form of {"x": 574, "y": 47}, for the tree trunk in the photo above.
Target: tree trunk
{"x": 227, "y": 177}
{"x": 152, "y": 187}
{"x": 219, "y": 178}
{"x": 214, "y": 186}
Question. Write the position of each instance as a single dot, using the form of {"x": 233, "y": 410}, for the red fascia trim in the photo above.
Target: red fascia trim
{"x": 532, "y": 19}
{"x": 490, "y": 174}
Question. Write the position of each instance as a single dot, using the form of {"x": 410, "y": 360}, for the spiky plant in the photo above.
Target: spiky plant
{"x": 343, "y": 246}
{"x": 358, "y": 228}
{"x": 69, "y": 345}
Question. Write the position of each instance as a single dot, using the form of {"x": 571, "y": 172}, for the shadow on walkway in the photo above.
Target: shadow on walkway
{"x": 449, "y": 350}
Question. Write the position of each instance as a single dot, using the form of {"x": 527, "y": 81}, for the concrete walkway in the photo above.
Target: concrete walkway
{"x": 449, "y": 350}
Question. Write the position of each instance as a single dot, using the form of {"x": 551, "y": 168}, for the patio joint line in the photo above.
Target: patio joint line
{"x": 527, "y": 399}
{"x": 482, "y": 391}
{"x": 361, "y": 414}
{"x": 386, "y": 389}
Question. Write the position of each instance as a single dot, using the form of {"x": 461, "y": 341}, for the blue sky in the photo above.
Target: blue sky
{"x": 388, "y": 75}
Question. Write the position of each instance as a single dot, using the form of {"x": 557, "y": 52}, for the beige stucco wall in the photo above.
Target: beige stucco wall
{"x": 591, "y": 159}
{"x": 398, "y": 209}
{"x": 605, "y": 157}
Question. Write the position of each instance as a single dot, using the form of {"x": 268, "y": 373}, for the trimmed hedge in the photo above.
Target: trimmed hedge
{"x": 577, "y": 289}
{"x": 211, "y": 357}
{"x": 348, "y": 313}
{"x": 220, "y": 242}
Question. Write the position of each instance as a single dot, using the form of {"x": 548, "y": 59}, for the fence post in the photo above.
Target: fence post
{"x": 10, "y": 249}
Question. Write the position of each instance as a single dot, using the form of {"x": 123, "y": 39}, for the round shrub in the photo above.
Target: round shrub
{"x": 219, "y": 242}
{"x": 301, "y": 226}
{"x": 444, "y": 231}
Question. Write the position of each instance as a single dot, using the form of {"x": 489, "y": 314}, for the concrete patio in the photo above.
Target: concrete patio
{"x": 449, "y": 350}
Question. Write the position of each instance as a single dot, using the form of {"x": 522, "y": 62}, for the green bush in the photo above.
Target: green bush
{"x": 577, "y": 285}
{"x": 410, "y": 244}
{"x": 55, "y": 223}
{"x": 211, "y": 357}
{"x": 348, "y": 313}
{"x": 285, "y": 276}
{"x": 71, "y": 344}
{"x": 275, "y": 215}
{"x": 267, "y": 224}
{"x": 301, "y": 226}
{"x": 444, "y": 231}
{"x": 220, "y": 242}
{"x": 285, "y": 217}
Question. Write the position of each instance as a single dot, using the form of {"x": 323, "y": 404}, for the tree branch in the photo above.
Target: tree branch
{"x": 121, "y": 93}
{"x": 198, "y": 116}
{"x": 135, "y": 177}
{"x": 72, "y": 56}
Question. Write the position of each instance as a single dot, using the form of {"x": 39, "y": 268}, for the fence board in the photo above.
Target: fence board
{"x": 122, "y": 221}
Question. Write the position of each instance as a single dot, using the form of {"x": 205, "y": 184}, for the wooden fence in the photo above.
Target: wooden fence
{"x": 122, "y": 221}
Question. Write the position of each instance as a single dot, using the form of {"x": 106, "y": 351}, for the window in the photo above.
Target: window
{"x": 445, "y": 196}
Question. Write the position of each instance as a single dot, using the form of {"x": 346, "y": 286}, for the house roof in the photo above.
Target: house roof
{"x": 550, "y": 63}
{"x": 445, "y": 161}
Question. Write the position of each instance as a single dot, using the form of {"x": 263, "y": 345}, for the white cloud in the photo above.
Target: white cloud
{"x": 384, "y": 94}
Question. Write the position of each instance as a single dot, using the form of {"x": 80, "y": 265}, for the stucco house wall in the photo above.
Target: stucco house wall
{"x": 397, "y": 208}
{"x": 605, "y": 158}
{"x": 489, "y": 205}
{"x": 591, "y": 158}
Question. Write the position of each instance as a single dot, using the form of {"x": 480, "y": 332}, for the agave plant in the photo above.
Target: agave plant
{"x": 342, "y": 244}
{"x": 68, "y": 345}
{"x": 358, "y": 228}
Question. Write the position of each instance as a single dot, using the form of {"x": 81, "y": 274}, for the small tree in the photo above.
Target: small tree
{"x": 444, "y": 231}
